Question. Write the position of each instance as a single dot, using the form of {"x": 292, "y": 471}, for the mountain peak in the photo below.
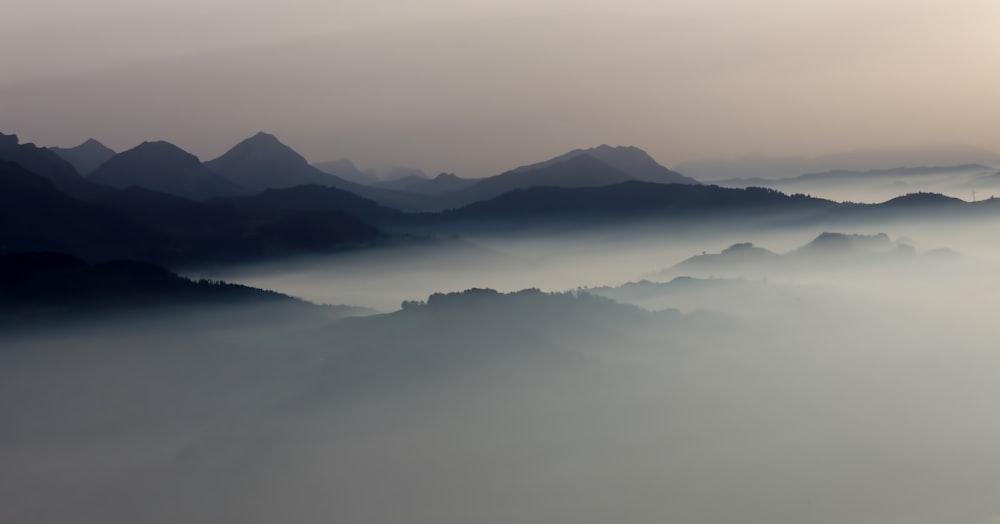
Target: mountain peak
{"x": 91, "y": 142}
{"x": 86, "y": 157}
{"x": 633, "y": 161}
{"x": 262, "y": 136}
{"x": 162, "y": 151}
{"x": 262, "y": 161}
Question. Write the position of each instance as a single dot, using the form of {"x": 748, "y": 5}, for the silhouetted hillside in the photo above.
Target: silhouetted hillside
{"x": 633, "y": 200}
{"x": 746, "y": 256}
{"x": 85, "y": 157}
{"x": 449, "y": 331}
{"x": 146, "y": 225}
{"x": 934, "y": 200}
{"x": 164, "y": 167}
{"x": 315, "y": 198}
{"x": 35, "y": 216}
{"x": 275, "y": 223}
{"x": 40, "y": 287}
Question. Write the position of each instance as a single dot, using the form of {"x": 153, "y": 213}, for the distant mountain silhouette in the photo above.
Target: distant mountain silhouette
{"x": 577, "y": 171}
{"x": 922, "y": 200}
{"x": 826, "y": 251}
{"x": 843, "y": 176}
{"x": 771, "y": 167}
{"x": 745, "y": 255}
{"x": 162, "y": 166}
{"x": 263, "y": 162}
{"x": 631, "y": 160}
{"x": 85, "y": 157}
{"x": 457, "y": 329}
{"x": 880, "y": 184}
{"x": 595, "y": 167}
{"x": 49, "y": 165}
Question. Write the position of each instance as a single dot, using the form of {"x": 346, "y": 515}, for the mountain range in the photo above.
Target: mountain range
{"x": 263, "y": 162}
{"x": 827, "y": 251}
{"x": 156, "y": 202}
{"x": 877, "y": 185}
{"x": 164, "y": 167}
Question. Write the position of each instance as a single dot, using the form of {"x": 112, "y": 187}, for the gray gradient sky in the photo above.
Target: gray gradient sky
{"x": 476, "y": 87}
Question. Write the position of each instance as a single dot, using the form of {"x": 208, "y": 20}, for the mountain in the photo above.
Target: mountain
{"x": 263, "y": 162}
{"x": 828, "y": 251}
{"x": 47, "y": 164}
{"x": 577, "y": 171}
{"x": 635, "y": 162}
{"x": 745, "y": 255}
{"x": 162, "y": 166}
{"x": 85, "y": 157}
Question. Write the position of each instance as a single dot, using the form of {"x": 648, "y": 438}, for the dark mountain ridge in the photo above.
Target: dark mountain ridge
{"x": 146, "y": 225}
{"x": 37, "y": 289}
{"x": 48, "y": 165}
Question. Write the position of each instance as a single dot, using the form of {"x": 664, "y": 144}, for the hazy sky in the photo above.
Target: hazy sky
{"x": 476, "y": 87}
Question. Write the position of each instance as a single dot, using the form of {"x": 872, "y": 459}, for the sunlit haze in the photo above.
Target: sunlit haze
{"x": 479, "y": 87}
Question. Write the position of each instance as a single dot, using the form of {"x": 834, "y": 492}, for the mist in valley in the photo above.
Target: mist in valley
{"x": 573, "y": 376}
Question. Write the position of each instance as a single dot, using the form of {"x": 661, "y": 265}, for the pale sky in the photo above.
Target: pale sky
{"x": 477, "y": 87}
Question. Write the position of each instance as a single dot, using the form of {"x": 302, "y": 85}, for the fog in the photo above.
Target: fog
{"x": 861, "y": 391}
